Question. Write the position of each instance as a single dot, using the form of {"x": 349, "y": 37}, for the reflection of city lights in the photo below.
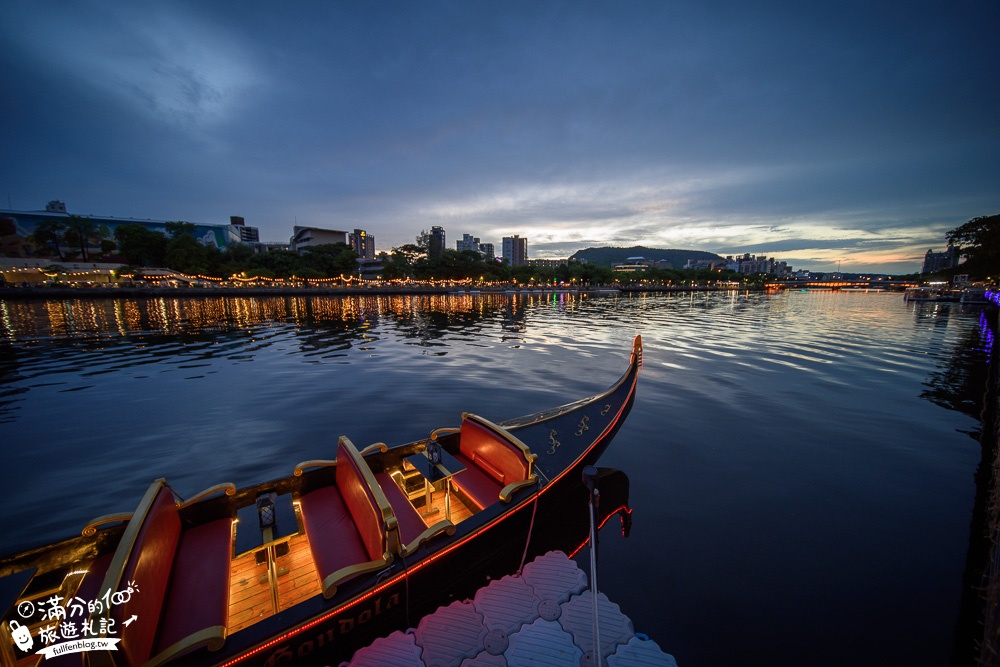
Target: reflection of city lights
{"x": 82, "y": 318}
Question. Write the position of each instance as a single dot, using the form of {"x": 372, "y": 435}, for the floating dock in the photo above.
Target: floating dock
{"x": 542, "y": 617}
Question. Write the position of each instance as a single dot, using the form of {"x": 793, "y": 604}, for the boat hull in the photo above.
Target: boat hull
{"x": 548, "y": 511}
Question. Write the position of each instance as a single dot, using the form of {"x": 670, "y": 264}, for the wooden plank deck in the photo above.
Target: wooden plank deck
{"x": 250, "y": 593}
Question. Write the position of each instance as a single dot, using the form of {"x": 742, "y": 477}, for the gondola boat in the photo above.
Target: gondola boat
{"x": 369, "y": 542}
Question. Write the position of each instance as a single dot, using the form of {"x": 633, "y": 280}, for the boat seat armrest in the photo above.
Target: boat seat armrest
{"x": 228, "y": 487}
{"x": 442, "y": 526}
{"x": 91, "y": 528}
{"x": 412, "y": 530}
{"x": 314, "y": 463}
{"x": 507, "y": 491}
{"x": 331, "y": 582}
{"x": 374, "y": 447}
{"x": 212, "y": 638}
{"x": 448, "y": 430}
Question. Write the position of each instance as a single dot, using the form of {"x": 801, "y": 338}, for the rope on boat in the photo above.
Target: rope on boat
{"x": 590, "y": 479}
{"x": 531, "y": 529}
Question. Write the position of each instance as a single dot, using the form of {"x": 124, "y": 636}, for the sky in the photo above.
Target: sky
{"x": 851, "y": 134}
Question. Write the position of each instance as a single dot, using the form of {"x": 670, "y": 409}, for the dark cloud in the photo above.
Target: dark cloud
{"x": 703, "y": 125}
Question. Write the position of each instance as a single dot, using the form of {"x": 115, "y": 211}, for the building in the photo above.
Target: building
{"x": 246, "y": 234}
{"x": 43, "y": 234}
{"x": 363, "y": 243}
{"x": 515, "y": 250}
{"x": 749, "y": 264}
{"x": 468, "y": 242}
{"x": 548, "y": 263}
{"x": 303, "y": 237}
{"x": 436, "y": 242}
{"x": 940, "y": 261}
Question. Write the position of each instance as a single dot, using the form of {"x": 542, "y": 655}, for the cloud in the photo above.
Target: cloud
{"x": 712, "y": 126}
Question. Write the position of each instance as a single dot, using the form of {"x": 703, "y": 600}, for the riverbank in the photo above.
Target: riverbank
{"x": 45, "y": 293}
{"x": 982, "y": 582}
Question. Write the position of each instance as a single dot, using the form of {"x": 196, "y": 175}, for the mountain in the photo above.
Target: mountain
{"x": 610, "y": 256}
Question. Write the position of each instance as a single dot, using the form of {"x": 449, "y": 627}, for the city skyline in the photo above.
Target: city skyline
{"x": 851, "y": 135}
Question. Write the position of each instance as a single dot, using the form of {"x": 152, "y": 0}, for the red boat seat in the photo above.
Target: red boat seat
{"x": 348, "y": 525}
{"x": 180, "y": 576}
{"x": 88, "y": 591}
{"x": 496, "y": 462}
{"x": 413, "y": 531}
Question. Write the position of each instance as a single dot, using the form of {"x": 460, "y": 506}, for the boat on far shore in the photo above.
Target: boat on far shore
{"x": 932, "y": 294}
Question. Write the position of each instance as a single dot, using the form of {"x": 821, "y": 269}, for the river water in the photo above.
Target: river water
{"x": 801, "y": 463}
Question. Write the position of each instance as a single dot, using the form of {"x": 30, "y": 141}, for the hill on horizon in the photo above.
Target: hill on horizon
{"x": 612, "y": 255}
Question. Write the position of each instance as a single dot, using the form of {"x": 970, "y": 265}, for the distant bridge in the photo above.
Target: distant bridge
{"x": 860, "y": 283}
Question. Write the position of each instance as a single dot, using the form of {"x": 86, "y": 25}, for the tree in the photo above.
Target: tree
{"x": 186, "y": 254}
{"x": 141, "y": 246}
{"x": 333, "y": 259}
{"x": 48, "y": 235}
{"x": 979, "y": 241}
{"x": 80, "y": 231}
{"x": 177, "y": 228}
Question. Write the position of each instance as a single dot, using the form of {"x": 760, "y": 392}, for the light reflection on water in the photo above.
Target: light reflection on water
{"x": 801, "y": 466}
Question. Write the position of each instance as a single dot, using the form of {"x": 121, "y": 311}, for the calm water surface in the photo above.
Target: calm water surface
{"x": 801, "y": 463}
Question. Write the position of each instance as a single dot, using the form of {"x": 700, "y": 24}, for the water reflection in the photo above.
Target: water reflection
{"x": 426, "y": 315}
{"x": 959, "y": 381}
{"x": 78, "y": 337}
{"x": 823, "y": 433}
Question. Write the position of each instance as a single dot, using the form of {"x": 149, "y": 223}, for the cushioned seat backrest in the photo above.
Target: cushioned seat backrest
{"x": 148, "y": 565}
{"x": 360, "y": 502}
{"x": 492, "y": 453}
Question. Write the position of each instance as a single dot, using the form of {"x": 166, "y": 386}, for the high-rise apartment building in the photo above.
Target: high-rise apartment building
{"x": 940, "y": 261}
{"x": 437, "y": 242}
{"x": 468, "y": 242}
{"x": 515, "y": 250}
{"x": 363, "y": 243}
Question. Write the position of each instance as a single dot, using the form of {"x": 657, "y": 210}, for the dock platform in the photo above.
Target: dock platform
{"x": 541, "y": 618}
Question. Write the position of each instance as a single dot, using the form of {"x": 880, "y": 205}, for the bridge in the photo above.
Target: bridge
{"x": 859, "y": 283}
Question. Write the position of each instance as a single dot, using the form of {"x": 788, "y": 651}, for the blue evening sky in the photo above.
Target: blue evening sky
{"x": 817, "y": 133}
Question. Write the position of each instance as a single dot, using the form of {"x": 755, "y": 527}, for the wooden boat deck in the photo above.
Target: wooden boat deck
{"x": 250, "y": 593}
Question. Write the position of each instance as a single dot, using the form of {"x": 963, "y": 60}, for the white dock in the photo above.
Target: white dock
{"x": 542, "y": 618}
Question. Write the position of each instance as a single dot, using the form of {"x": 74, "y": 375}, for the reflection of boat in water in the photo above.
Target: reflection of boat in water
{"x": 974, "y": 296}
{"x": 377, "y": 537}
{"x": 930, "y": 294}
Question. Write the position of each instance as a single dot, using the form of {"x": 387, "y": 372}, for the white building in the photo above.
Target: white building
{"x": 515, "y": 250}
{"x": 303, "y": 237}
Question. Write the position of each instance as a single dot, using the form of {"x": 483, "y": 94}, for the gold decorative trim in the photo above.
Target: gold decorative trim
{"x": 91, "y": 528}
{"x": 331, "y": 582}
{"x": 507, "y": 491}
{"x": 552, "y": 441}
{"x": 446, "y": 430}
{"x": 314, "y": 463}
{"x": 118, "y": 562}
{"x": 443, "y": 526}
{"x": 635, "y": 363}
{"x": 213, "y": 638}
{"x": 582, "y": 426}
{"x": 228, "y": 487}
{"x": 127, "y": 542}
{"x": 375, "y": 447}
